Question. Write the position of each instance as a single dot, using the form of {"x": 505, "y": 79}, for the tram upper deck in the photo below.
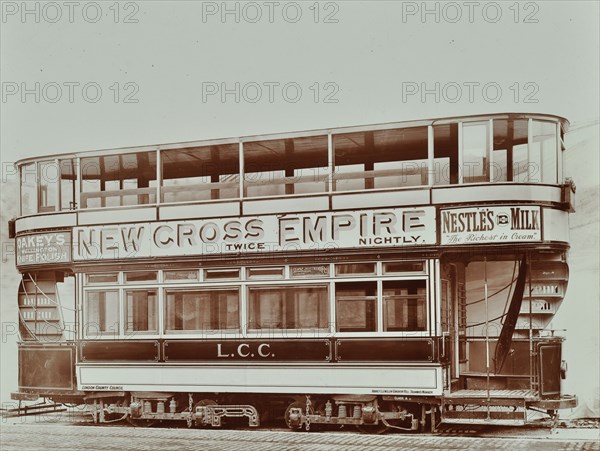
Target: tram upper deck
{"x": 485, "y": 159}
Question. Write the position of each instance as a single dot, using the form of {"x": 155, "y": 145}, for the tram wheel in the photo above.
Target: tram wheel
{"x": 294, "y": 405}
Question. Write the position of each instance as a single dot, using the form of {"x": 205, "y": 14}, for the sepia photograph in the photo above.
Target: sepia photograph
{"x": 300, "y": 225}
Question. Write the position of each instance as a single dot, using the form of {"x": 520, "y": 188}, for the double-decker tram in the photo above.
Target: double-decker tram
{"x": 386, "y": 276}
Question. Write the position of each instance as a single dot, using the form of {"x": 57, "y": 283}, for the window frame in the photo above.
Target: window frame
{"x": 200, "y": 332}
{"x": 243, "y": 286}
{"x": 288, "y": 331}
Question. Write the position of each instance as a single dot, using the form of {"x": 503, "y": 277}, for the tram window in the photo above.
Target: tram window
{"x": 404, "y": 304}
{"x": 48, "y": 185}
{"x": 220, "y": 274}
{"x": 200, "y": 173}
{"x": 355, "y": 268}
{"x": 140, "y": 276}
{"x": 68, "y": 185}
{"x": 201, "y": 310}
{"x": 141, "y": 311}
{"x": 265, "y": 273}
{"x": 402, "y": 267}
{"x": 509, "y": 161}
{"x": 299, "y": 307}
{"x": 116, "y": 180}
{"x": 543, "y": 150}
{"x": 102, "y": 278}
{"x": 181, "y": 275}
{"x": 102, "y": 312}
{"x": 356, "y": 306}
{"x": 29, "y": 189}
{"x": 286, "y": 166}
{"x": 475, "y": 152}
{"x": 445, "y": 154}
{"x": 381, "y": 159}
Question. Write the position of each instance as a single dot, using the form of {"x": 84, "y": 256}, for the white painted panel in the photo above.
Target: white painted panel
{"x": 425, "y": 380}
{"x": 556, "y": 225}
{"x": 46, "y": 221}
{"x": 208, "y": 210}
{"x": 292, "y": 204}
{"x": 381, "y": 199}
{"x": 117, "y": 216}
{"x": 496, "y": 192}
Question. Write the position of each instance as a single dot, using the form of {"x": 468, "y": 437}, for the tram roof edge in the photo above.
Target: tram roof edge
{"x": 297, "y": 134}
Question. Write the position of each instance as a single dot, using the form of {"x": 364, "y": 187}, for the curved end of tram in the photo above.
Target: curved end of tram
{"x": 393, "y": 276}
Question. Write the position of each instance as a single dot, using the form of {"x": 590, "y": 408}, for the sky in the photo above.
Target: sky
{"x": 99, "y": 75}
{"x": 73, "y": 79}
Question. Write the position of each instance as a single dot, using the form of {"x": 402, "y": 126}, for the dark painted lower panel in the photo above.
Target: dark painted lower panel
{"x": 127, "y": 350}
{"x": 384, "y": 350}
{"x": 248, "y": 350}
{"x": 46, "y": 367}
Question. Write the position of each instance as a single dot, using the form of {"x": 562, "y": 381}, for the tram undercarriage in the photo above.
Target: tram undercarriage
{"x": 369, "y": 414}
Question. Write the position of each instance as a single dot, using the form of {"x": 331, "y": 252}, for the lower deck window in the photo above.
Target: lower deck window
{"x": 141, "y": 311}
{"x": 102, "y": 312}
{"x": 356, "y": 306}
{"x": 303, "y": 307}
{"x": 404, "y": 305}
{"x": 197, "y": 310}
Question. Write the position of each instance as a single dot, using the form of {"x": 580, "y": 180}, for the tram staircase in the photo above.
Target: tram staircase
{"x": 40, "y": 311}
{"x": 493, "y": 398}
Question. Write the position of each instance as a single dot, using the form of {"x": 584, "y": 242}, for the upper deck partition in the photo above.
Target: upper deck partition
{"x": 452, "y": 151}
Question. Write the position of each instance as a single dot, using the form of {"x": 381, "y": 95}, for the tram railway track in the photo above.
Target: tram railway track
{"x": 36, "y": 436}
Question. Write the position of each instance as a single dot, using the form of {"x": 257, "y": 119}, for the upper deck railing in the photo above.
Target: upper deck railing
{"x": 524, "y": 148}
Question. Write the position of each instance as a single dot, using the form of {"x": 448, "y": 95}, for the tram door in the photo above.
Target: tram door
{"x": 450, "y": 321}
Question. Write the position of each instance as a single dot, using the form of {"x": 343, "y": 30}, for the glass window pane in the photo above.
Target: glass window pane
{"x": 265, "y": 273}
{"x": 543, "y": 150}
{"x": 102, "y": 278}
{"x": 201, "y": 173}
{"x": 509, "y": 162}
{"x": 68, "y": 184}
{"x": 356, "y": 306}
{"x": 48, "y": 186}
{"x": 381, "y": 159}
{"x": 475, "y": 155}
{"x": 102, "y": 313}
{"x": 116, "y": 180}
{"x": 301, "y": 307}
{"x": 141, "y": 311}
{"x": 29, "y": 189}
{"x": 202, "y": 310}
{"x": 286, "y": 166}
{"x": 141, "y": 276}
{"x": 354, "y": 268}
{"x": 181, "y": 275}
{"x": 401, "y": 267}
{"x": 445, "y": 154}
{"x": 404, "y": 305}
{"x": 216, "y": 274}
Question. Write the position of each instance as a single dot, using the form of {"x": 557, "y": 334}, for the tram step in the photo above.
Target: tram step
{"x": 484, "y": 417}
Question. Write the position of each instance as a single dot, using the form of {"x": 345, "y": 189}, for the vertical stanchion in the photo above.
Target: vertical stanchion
{"x": 487, "y": 336}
